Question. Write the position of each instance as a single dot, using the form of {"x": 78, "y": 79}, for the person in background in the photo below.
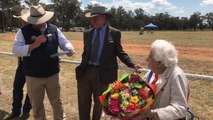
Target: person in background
{"x": 18, "y": 85}
{"x": 99, "y": 66}
{"x": 18, "y": 17}
{"x": 36, "y": 42}
{"x": 172, "y": 85}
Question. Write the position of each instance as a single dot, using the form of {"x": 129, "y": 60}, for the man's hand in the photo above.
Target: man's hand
{"x": 38, "y": 41}
{"x": 71, "y": 53}
{"x": 137, "y": 68}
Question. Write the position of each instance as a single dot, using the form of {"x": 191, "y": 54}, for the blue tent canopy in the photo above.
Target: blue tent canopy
{"x": 150, "y": 25}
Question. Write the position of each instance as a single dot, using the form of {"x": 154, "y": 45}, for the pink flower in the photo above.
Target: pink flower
{"x": 144, "y": 93}
{"x": 126, "y": 91}
{"x": 114, "y": 106}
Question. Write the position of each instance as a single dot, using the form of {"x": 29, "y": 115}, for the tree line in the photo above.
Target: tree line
{"x": 68, "y": 14}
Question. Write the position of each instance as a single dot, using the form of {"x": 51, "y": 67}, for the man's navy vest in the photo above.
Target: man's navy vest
{"x": 39, "y": 63}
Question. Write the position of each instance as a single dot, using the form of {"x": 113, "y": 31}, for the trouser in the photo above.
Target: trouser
{"x": 37, "y": 87}
{"x": 18, "y": 85}
{"x": 88, "y": 85}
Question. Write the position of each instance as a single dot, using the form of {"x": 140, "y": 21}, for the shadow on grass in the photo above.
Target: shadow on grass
{"x": 3, "y": 113}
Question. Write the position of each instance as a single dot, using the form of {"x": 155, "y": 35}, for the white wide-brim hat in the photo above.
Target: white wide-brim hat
{"x": 98, "y": 10}
{"x": 23, "y": 11}
{"x": 37, "y": 15}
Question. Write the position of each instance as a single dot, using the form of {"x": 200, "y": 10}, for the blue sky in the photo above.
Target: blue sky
{"x": 181, "y": 8}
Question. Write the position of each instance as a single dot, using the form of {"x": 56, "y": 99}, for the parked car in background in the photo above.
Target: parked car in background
{"x": 77, "y": 29}
{"x": 12, "y": 29}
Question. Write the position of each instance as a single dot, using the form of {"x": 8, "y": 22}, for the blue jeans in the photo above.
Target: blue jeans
{"x": 18, "y": 85}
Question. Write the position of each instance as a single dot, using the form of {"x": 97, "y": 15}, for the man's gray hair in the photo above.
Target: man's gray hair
{"x": 164, "y": 52}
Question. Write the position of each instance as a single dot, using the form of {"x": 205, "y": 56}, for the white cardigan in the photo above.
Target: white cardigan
{"x": 171, "y": 97}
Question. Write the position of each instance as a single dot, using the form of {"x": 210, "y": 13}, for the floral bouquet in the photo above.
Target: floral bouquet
{"x": 128, "y": 96}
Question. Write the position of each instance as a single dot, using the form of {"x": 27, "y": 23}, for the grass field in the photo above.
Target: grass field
{"x": 195, "y": 56}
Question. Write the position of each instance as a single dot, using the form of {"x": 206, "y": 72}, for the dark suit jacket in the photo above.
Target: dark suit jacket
{"x": 108, "y": 63}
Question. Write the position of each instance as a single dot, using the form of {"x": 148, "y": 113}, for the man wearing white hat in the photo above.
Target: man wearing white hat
{"x": 98, "y": 68}
{"x": 36, "y": 42}
{"x": 22, "y": 22}
{"x": 18, "y": 85}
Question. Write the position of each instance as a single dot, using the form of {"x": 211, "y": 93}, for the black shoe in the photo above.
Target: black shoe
{"x": 12, "y": 116}
{"x": 24, "y": 116}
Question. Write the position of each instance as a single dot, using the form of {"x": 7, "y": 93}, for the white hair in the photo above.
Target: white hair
{"x": 164, "y": 52}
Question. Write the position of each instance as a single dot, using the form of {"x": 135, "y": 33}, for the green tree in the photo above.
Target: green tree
{"x": 129, "y": 22}
{"x": 139, "y": 14}
{"x": 66, "y": 11}
{"x": 8, "y": 9}
{"x": 195, "y": 20}
{"x": 120, "y": 17}
{"x": 113, "y": 21}
{"x": 162, "y": 20}
{"x": 184, "y": 23}
{"x": 31, "y": 2}
{"x": 209, "y": 18}
{"x": 140, "y": 18}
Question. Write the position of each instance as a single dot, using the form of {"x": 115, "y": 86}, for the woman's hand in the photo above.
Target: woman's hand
{"x": 114, "y": 118}
{"x": 142, "y": 116}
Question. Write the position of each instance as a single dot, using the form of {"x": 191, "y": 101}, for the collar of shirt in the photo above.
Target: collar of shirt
{"x": 102, "y": 31}
{"x": 43, "y": 28}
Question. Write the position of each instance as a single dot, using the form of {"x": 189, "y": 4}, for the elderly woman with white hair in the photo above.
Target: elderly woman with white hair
{"x": 172, "y": 85}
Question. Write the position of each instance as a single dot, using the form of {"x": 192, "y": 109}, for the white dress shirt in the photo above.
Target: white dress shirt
{"x": 21, "y": 49}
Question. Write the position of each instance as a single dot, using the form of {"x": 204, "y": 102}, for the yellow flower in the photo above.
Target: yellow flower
{"x": 149, "y": 99}
{"x": 115, "y": 96}
{"x": 127, "y": 84}
{"x": 134, "y": 99}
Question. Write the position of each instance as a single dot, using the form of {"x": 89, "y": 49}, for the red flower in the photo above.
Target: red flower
{"x": 144, "y": 93}
{"x": 133, "y": 78}
{"x": 131, "y": 107}
{"x": 114, "y": 106}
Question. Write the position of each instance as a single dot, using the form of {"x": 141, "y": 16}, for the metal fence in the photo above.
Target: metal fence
{"x": 190, "y": 75}
{"x": 8, "y": 64}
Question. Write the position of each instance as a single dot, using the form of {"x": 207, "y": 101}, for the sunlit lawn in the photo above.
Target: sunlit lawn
{"x": 201, "y": 97}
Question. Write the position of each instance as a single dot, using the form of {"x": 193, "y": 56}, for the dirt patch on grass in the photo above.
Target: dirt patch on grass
{"x": 192, "y": 53}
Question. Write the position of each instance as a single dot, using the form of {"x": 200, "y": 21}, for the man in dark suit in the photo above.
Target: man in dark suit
{"x": 98, "y": 68}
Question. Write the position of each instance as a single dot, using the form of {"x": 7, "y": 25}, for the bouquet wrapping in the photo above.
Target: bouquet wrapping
{"x": 128, "y": 96}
